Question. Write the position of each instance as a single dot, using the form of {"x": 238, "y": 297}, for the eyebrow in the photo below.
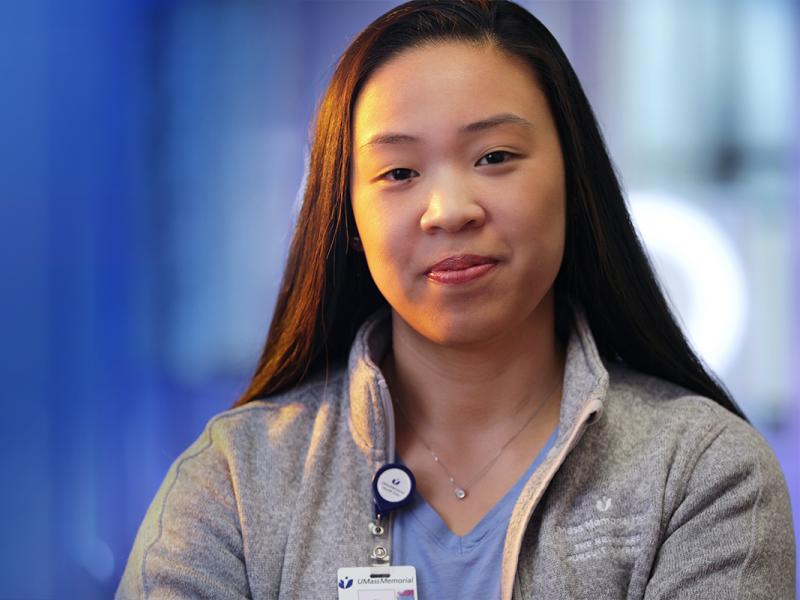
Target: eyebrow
{"x": 482, "y": 125}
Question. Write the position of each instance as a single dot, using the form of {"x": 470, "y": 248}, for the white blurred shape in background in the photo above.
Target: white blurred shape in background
{"x": 700, "y": 272}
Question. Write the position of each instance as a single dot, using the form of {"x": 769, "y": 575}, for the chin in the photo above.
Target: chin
{"x": 472, "y": 324}
{"x": 455, "y": 329}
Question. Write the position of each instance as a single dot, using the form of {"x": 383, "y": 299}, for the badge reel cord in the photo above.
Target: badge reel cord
{"x": 393, "y": 487}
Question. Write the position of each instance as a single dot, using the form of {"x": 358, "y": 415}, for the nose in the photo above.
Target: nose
{"x": 451, "y": 207}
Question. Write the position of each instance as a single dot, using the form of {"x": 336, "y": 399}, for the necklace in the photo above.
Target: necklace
{"x": 460, "y": 491}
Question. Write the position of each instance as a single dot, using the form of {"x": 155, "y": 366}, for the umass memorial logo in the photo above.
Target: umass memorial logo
{"x": 345, "y": 583}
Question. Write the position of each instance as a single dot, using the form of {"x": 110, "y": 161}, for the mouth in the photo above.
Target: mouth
{"x": 460, "y": 269}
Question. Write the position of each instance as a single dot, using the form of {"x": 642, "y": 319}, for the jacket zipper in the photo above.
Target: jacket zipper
{"x": 508, "y": 576}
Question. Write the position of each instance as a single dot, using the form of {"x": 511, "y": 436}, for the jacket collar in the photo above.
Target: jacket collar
{"x": 585, "y": 381}
{"x": 585, "y": 376}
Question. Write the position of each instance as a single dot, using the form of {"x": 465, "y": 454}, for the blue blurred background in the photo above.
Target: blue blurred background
{"x": 152, "y": 156}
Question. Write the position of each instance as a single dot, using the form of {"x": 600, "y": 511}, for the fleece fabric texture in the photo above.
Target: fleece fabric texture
{"x": 649, "y": 491}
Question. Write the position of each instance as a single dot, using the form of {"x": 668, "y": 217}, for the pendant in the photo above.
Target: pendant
{"x": 460, "y": 493}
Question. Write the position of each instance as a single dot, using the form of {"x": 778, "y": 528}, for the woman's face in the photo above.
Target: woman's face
{"x": 457, "y": 187}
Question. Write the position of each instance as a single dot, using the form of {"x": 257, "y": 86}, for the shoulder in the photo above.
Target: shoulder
{"x": 653, "y": 430}
{"x": 238, "y": 439}
{"x": 284, "y": 415}
{"x": 659, "y": 425}
{"x": 651, "y": 408}
{"x": 250, "y": 441}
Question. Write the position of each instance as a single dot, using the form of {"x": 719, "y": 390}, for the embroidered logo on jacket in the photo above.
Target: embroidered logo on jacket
{"x": 603, "y": 533}
{"x": 604, "y": 504}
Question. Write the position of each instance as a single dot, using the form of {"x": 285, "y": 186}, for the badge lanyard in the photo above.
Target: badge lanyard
{"x": 393, "y": 488}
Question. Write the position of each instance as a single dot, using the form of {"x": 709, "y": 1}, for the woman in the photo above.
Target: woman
{"x": 466, "y": 301}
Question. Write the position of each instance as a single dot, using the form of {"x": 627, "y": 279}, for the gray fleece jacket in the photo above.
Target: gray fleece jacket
{"x": 648, "y": 492}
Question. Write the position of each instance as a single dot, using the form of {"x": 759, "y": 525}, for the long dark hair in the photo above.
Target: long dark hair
{"x": 327, "y": 291}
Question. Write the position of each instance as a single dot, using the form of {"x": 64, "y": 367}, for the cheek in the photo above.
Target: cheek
{"x": 386, "y": 239}
{"x": 536, "y": 217}
{"x": 536, "y": 239}
{"x": 376, "y": 232}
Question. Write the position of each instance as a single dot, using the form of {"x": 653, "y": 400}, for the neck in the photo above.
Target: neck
{"x": 463, "y": 393}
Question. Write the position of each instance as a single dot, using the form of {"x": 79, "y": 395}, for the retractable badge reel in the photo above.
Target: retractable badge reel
{"x": 393, "y": 487}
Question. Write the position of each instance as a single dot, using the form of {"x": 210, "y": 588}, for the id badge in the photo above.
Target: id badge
{"x": 377, "y": 583}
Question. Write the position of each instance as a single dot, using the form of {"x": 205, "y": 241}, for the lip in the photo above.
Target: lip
{"x": 461, "y": 269}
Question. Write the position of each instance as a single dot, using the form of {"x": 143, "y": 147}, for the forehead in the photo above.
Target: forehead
{"x": 437, "y": 88}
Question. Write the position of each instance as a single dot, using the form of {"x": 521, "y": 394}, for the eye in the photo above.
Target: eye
{"x": 495, "y": 158}
{"x": 399, "y": 174}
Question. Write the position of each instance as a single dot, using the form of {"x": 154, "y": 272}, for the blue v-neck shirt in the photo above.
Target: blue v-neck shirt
{"x": 452, "y": 566}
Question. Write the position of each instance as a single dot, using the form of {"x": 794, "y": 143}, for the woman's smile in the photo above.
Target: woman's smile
{"x": 461, "y": 269}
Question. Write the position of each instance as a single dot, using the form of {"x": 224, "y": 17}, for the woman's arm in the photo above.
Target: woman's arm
{"x": 190, "y": 542}
{"x": 731, "y": 535}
